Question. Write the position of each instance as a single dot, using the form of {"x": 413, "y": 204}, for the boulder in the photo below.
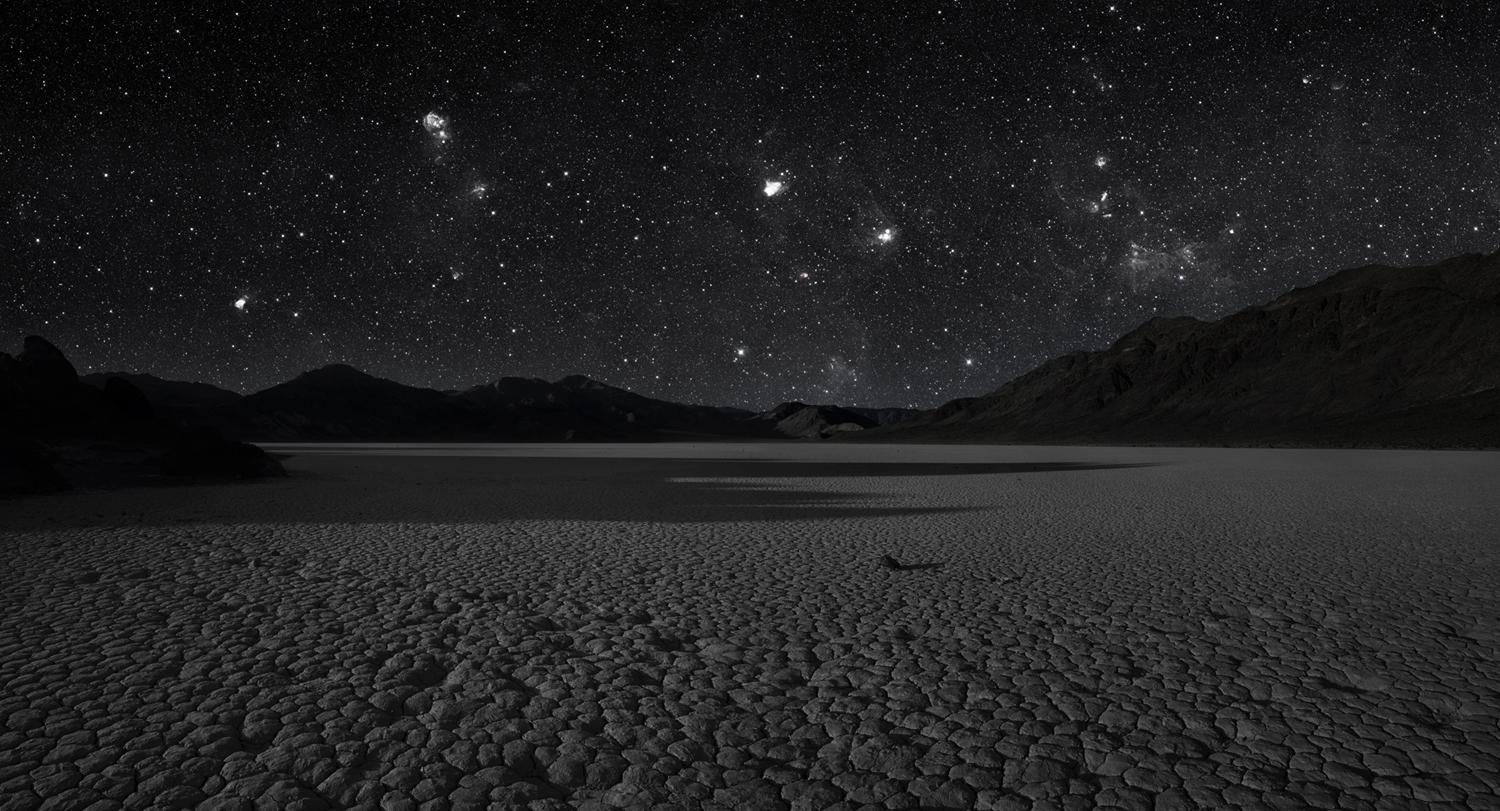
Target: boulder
{"x": 129, "y": 401}
{"x": 27, "y": 467}
{"x": 203, "y": 452}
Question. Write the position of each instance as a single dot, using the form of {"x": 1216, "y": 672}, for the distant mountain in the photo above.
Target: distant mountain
{"x": 1367, "y": 357}
{"x": 803, "y": 421}
{"x": 342, "y": 403}
{"x": 589, "y": 408}
{"x": 170, "y": 394}
{"x": 885, "y": 416}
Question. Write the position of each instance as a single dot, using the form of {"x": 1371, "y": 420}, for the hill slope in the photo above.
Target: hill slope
{"x": 1369, "y": 356}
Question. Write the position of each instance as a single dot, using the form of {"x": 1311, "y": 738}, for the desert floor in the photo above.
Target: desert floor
{"x": 711, "y": 626}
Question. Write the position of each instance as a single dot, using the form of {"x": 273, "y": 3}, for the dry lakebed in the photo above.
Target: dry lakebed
{"x": 762, "y": 626}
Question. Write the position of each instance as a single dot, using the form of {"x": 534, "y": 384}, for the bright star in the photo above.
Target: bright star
{"x": 773, "y": 187}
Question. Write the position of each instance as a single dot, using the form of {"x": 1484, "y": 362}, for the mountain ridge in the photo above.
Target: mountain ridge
{"x": 340, "y": 402}
{"x": 1365, "y": 356}
{"x": 1339, "y": 361}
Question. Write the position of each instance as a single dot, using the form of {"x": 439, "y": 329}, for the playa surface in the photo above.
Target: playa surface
{"x": 712, "y": 626}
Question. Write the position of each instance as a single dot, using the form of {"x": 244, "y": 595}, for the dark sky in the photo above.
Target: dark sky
{"x": 241, "y": 192}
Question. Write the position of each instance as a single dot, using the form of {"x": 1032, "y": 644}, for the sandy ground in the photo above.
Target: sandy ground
{"x": 710, "y": 626}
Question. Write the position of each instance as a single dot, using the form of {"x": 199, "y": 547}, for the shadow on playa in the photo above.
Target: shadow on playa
{"x": 438, "y": 489}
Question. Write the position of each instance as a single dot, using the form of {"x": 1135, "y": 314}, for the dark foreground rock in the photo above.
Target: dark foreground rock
{"x": 26, "y": 466}
{"x": 57, "y": 431}
{"x": 203, "y": 452}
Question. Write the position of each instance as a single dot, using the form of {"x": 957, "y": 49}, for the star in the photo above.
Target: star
{"x": 342, "y": 212}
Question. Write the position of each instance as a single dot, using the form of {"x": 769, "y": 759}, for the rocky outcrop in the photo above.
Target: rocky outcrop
{"x": 45, "y": 364}
{"x": 1370, "y": 356}
{"x": 56, "y": 431}
{"x": 27, "y": 466}
{"x": 802, "y": 421}
{"x": 203, "y": 452}
{"x": 128, "y": 400}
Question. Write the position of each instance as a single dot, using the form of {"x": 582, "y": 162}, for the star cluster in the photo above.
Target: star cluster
{"x": 730, "y": 203}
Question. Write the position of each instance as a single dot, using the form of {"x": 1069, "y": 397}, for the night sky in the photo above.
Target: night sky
{"x": 731, "y": 203}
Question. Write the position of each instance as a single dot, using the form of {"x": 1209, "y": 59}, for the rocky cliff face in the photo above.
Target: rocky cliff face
{"x": 56, "y": 431}
{"x": 1370, "y": 356}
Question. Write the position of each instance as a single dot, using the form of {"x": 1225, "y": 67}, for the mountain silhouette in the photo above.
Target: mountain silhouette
{"x": 1372, "y": 356}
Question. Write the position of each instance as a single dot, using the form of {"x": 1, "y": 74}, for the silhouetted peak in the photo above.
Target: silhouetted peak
{"x": 585, "y": 383}
{"x": 46, "y": 363}
{"x": 337, "y": 374}
{"x": 336, "y": 379}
